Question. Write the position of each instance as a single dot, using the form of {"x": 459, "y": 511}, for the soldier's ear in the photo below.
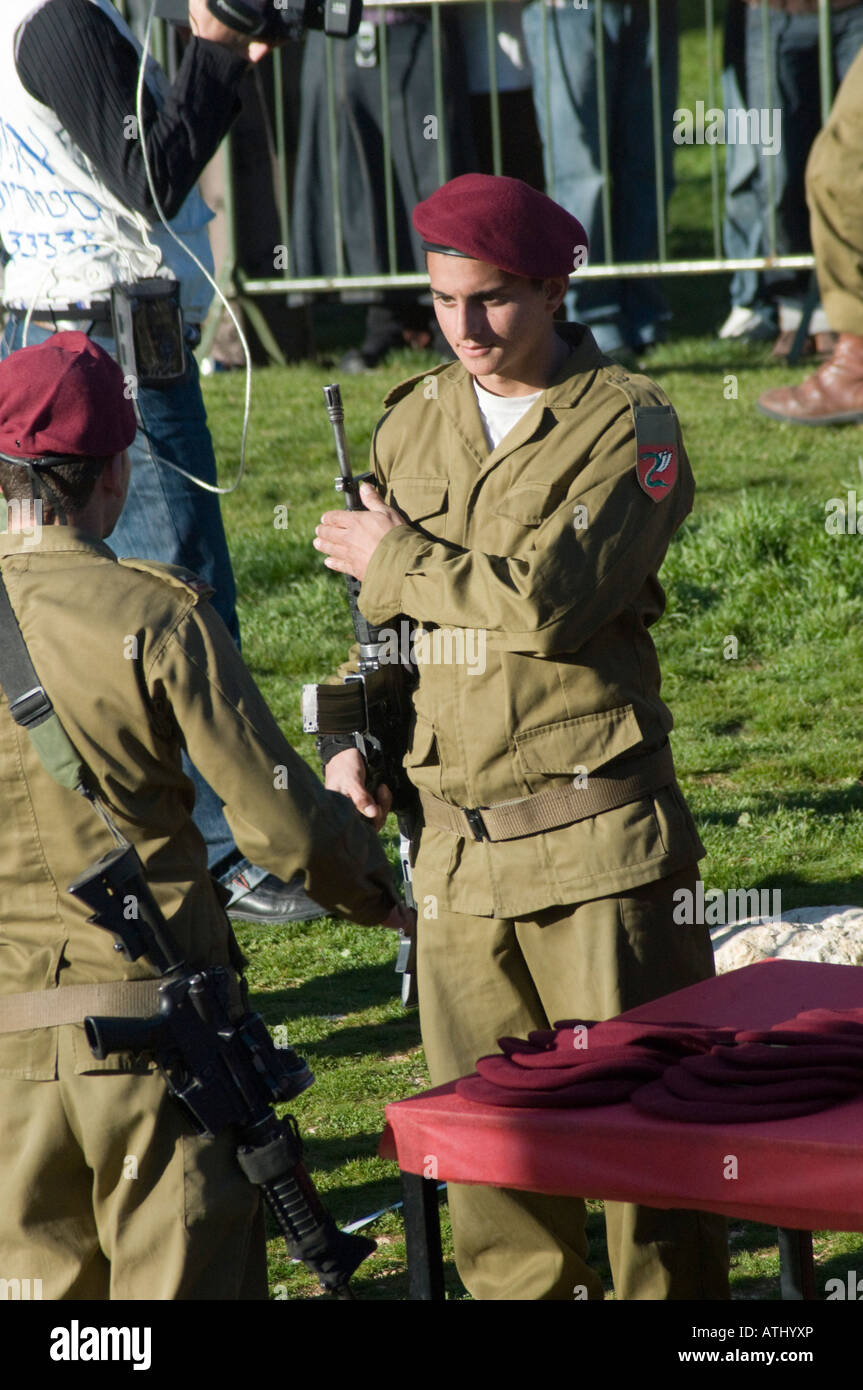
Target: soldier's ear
{"x": 116, "y": 474}
{"x": 555, "y": 290}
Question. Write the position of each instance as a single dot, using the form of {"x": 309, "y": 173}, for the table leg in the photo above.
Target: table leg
{"x": 422, "y": 1238}
{"x": 796, "y": 1265}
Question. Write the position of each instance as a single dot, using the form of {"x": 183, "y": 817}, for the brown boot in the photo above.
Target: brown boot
{"x": 831, "y": 396}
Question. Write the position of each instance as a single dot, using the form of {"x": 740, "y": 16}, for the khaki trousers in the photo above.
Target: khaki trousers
{"x": 483, "y": 978}
{"x": 834, "y": 191}
{"x": 106, "y": 1192}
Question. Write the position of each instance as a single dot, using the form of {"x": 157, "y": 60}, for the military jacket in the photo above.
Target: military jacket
{"x": 533, "y": 570}
{"x": 138, "y": 665}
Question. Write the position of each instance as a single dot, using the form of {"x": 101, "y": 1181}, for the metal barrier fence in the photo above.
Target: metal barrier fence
{"x": 285, "y": 282}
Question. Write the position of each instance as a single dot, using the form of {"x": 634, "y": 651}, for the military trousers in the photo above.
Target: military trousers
{"x": 481, "y": 978}
{"x": 834, "y": 191}
{"x": 106, "y": 1192}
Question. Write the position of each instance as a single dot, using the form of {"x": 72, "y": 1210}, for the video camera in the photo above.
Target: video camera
{"x": 274, "y": 20}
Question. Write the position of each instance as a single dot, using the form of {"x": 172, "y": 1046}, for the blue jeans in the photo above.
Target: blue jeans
{"x": 743, "y": 215}
{"x": 620, "y": 312}
{"x": 792, "y": 51}
{"x": 168, "y": 518}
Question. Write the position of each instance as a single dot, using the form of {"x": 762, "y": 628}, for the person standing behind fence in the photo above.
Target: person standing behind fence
{"x": 520, "y": 145}
{"x": 342, "y": 229}
{"x": 751, "y": 317}
{"x": 625, "y": 316}
{"x": 834, "y": 185}
{"x": 783, "y": 74}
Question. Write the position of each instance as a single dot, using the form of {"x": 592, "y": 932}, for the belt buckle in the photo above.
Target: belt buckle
{"x": 476, "y": 822}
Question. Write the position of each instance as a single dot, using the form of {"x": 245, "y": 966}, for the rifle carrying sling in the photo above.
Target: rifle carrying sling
{"x": 29, "y": 705}
{"x": 31, "y": 708}
{"x": 556, "y": 807}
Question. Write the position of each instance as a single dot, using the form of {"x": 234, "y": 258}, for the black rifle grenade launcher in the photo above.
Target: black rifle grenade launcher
{"x": 219, "y": 1063}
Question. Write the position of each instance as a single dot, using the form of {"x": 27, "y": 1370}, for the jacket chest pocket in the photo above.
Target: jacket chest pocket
{"x": 420, "y": 498}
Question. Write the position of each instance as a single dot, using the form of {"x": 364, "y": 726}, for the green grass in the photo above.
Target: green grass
{"x": 767, "y": 741}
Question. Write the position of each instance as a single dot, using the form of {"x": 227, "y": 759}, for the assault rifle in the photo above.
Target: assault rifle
{"x": 373, "y": 706}
{"x": 219, "y": 1063}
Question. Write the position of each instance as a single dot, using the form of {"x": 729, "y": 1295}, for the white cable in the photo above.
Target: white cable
{"x": 139, "y": 112}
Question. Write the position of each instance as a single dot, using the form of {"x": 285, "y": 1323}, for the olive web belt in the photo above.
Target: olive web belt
{"x": 559, "y": 806}
{"x": 48, "y": 1008}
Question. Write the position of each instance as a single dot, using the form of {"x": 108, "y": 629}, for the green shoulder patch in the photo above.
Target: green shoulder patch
{"x": 655, "y": 449}
{"x": 175, "y": 575}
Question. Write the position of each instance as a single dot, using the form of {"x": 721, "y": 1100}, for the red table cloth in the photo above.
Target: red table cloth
{"x": 805, "y": 1173}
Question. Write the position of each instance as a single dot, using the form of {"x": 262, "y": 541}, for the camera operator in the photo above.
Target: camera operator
{"x": 78, "y": 217}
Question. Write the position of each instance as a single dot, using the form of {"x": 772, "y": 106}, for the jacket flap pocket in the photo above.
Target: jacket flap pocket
{"x": 420, "y": 497}
{"x": 589, "y": 741}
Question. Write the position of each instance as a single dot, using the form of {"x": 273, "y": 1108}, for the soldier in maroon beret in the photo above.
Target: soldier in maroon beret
{"x": 63, "y": 404}
{"x": 527, "y": 496}
{"x": 106, "y": 1189}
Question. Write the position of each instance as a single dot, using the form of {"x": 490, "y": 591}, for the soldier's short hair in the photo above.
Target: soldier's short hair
{"x": 73, "y": 482}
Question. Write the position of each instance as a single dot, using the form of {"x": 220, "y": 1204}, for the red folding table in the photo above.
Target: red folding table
{"x": 800, "y": 1174}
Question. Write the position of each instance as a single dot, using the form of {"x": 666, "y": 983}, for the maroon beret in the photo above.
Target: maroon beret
{"x": 504, "y": 222}
{"x": 64, "y": 396}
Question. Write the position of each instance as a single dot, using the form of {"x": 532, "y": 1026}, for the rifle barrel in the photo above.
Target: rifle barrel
{"x": 335, "y": 410}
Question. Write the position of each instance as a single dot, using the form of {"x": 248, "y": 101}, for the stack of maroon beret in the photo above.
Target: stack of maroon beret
{"x": 681, "y": 1071}
{"x": 582, "y": 1063}
{"x": 798, "y": 1067}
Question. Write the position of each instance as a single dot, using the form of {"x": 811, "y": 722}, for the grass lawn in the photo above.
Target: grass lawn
{"x": 761, "y": 655}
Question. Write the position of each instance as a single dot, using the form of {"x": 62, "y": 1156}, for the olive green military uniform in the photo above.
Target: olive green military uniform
{"x": 834, "y": 191}
{"x": 104, "y": 1188}
{"x": 546, "y": 550}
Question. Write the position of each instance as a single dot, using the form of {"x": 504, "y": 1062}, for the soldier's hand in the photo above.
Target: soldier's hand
{"x": 205, "y": 25}
{"x": 350, "y": 539}
{"x": 346, "y": 773}
{"x": 402, "y": 919}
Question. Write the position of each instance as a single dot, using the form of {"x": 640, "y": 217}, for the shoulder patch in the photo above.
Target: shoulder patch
{"x": 655, "y": 449}
{"x": 175, "y": 575}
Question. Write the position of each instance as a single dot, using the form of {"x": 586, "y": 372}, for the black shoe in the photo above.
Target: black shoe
{"x": 269, "y": 900}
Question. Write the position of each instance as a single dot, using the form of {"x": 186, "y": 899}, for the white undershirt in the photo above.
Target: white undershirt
{"x": 500, "y": 413}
